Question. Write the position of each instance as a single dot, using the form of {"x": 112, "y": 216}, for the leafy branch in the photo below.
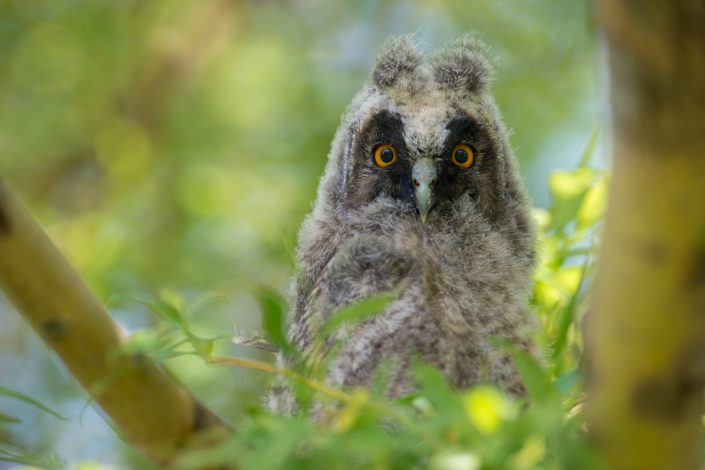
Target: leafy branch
{"x": 145, "y": 403}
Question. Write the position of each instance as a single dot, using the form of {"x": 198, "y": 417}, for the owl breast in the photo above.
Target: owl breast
{"x": 458, "y": 286}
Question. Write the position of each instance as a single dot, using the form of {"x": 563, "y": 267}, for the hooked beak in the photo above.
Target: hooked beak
{"x": 423, "y": 175}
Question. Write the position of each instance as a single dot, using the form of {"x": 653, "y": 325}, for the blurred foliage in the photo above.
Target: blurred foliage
{"x": 172, "y": 148}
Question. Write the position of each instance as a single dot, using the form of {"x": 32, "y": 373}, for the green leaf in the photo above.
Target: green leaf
{"x": 589, "y": 150}
{"x": 272, "y": 308}
{"x": 166, "y": 311}
{"x": 536, "y": 380}
{"x": 30, "y": 401}
{"x": 567, "y": 315}
{"x": 434, "y": 386}
{"x": 568, "y": 190}
{"x": 592, "y": 208}
{"x": 205, "y": 300}
{"x": 286, "y": 440}
{"x": 359, "y": 311}
{"x": 204, "y": 346}
{"x": 568, "y": 185}
{"x": 146, "y": 341}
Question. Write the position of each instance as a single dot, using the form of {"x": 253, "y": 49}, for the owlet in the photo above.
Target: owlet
{"x": 421, "y": 197}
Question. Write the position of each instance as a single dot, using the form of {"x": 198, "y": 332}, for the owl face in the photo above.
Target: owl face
{"x": 423, "y": 135}
{"x": 426, "y": 168}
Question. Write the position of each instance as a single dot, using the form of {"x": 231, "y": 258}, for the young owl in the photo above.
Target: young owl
{"x": 420, "y": 196}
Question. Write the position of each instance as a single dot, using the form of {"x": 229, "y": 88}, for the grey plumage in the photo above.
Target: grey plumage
{"x": 463, "y": 275}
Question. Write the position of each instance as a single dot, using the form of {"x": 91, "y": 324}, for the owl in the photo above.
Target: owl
{"x": 421, "y": 197}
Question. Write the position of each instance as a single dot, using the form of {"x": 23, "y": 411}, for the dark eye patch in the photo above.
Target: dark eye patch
{"x": 461, "y": 124}
{"x": 384, "y": 127}
{"x": 364, "y": 180}
{"x": 483, "y": 180}
{"x": 464, "y": 130}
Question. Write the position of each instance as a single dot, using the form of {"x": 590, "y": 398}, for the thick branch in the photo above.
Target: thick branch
{"x": 151, "y": 410}
{"x": 647, "y": 338}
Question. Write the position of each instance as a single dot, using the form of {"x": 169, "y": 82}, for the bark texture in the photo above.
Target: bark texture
{"x": 646, "y": 358}
{"x": 147, "y": 406}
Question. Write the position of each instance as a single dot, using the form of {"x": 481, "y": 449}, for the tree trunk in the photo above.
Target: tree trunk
{"x": 646, "y": 339}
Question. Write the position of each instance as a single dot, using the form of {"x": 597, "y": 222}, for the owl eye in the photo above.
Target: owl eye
{"x": 462, "y": 156}
{"x": 385, "y": 155}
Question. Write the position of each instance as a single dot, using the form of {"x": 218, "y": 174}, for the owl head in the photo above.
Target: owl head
{"x": 425, "y": 133}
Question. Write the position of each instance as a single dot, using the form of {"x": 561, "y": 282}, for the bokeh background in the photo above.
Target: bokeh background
{"x": 171, "y": 148}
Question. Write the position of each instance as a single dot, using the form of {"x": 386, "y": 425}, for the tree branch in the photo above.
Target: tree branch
{"x": 150, "y": 409}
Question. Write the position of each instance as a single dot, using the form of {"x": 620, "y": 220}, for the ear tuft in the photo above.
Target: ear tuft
{"x": 399, "y": 57}
{"x": 463, "y": 64}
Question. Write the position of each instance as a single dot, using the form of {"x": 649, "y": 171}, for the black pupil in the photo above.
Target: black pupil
{"x": 386, "y": 155}
{"x": 461, "y": 156}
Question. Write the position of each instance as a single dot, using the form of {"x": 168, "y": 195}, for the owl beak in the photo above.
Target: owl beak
{"x": 423, "y": 175}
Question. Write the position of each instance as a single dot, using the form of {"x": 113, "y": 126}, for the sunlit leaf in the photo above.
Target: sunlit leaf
{"x": 348, "y": 416}
{"x": 533, "y": 451}
{"x": 568, "y": 189}
{"x": 567, "y": 315}
{"x": 594, "y": 204}
{"x": 487, "y": 408}
{"x": 567, "y": 185}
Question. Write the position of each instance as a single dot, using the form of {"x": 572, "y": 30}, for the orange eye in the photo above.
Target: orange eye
{"x": 385, "y": 155}
{"x": 462, "y": 156}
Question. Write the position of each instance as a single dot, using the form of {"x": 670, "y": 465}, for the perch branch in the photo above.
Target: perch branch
{"x": 147, "y": 406}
